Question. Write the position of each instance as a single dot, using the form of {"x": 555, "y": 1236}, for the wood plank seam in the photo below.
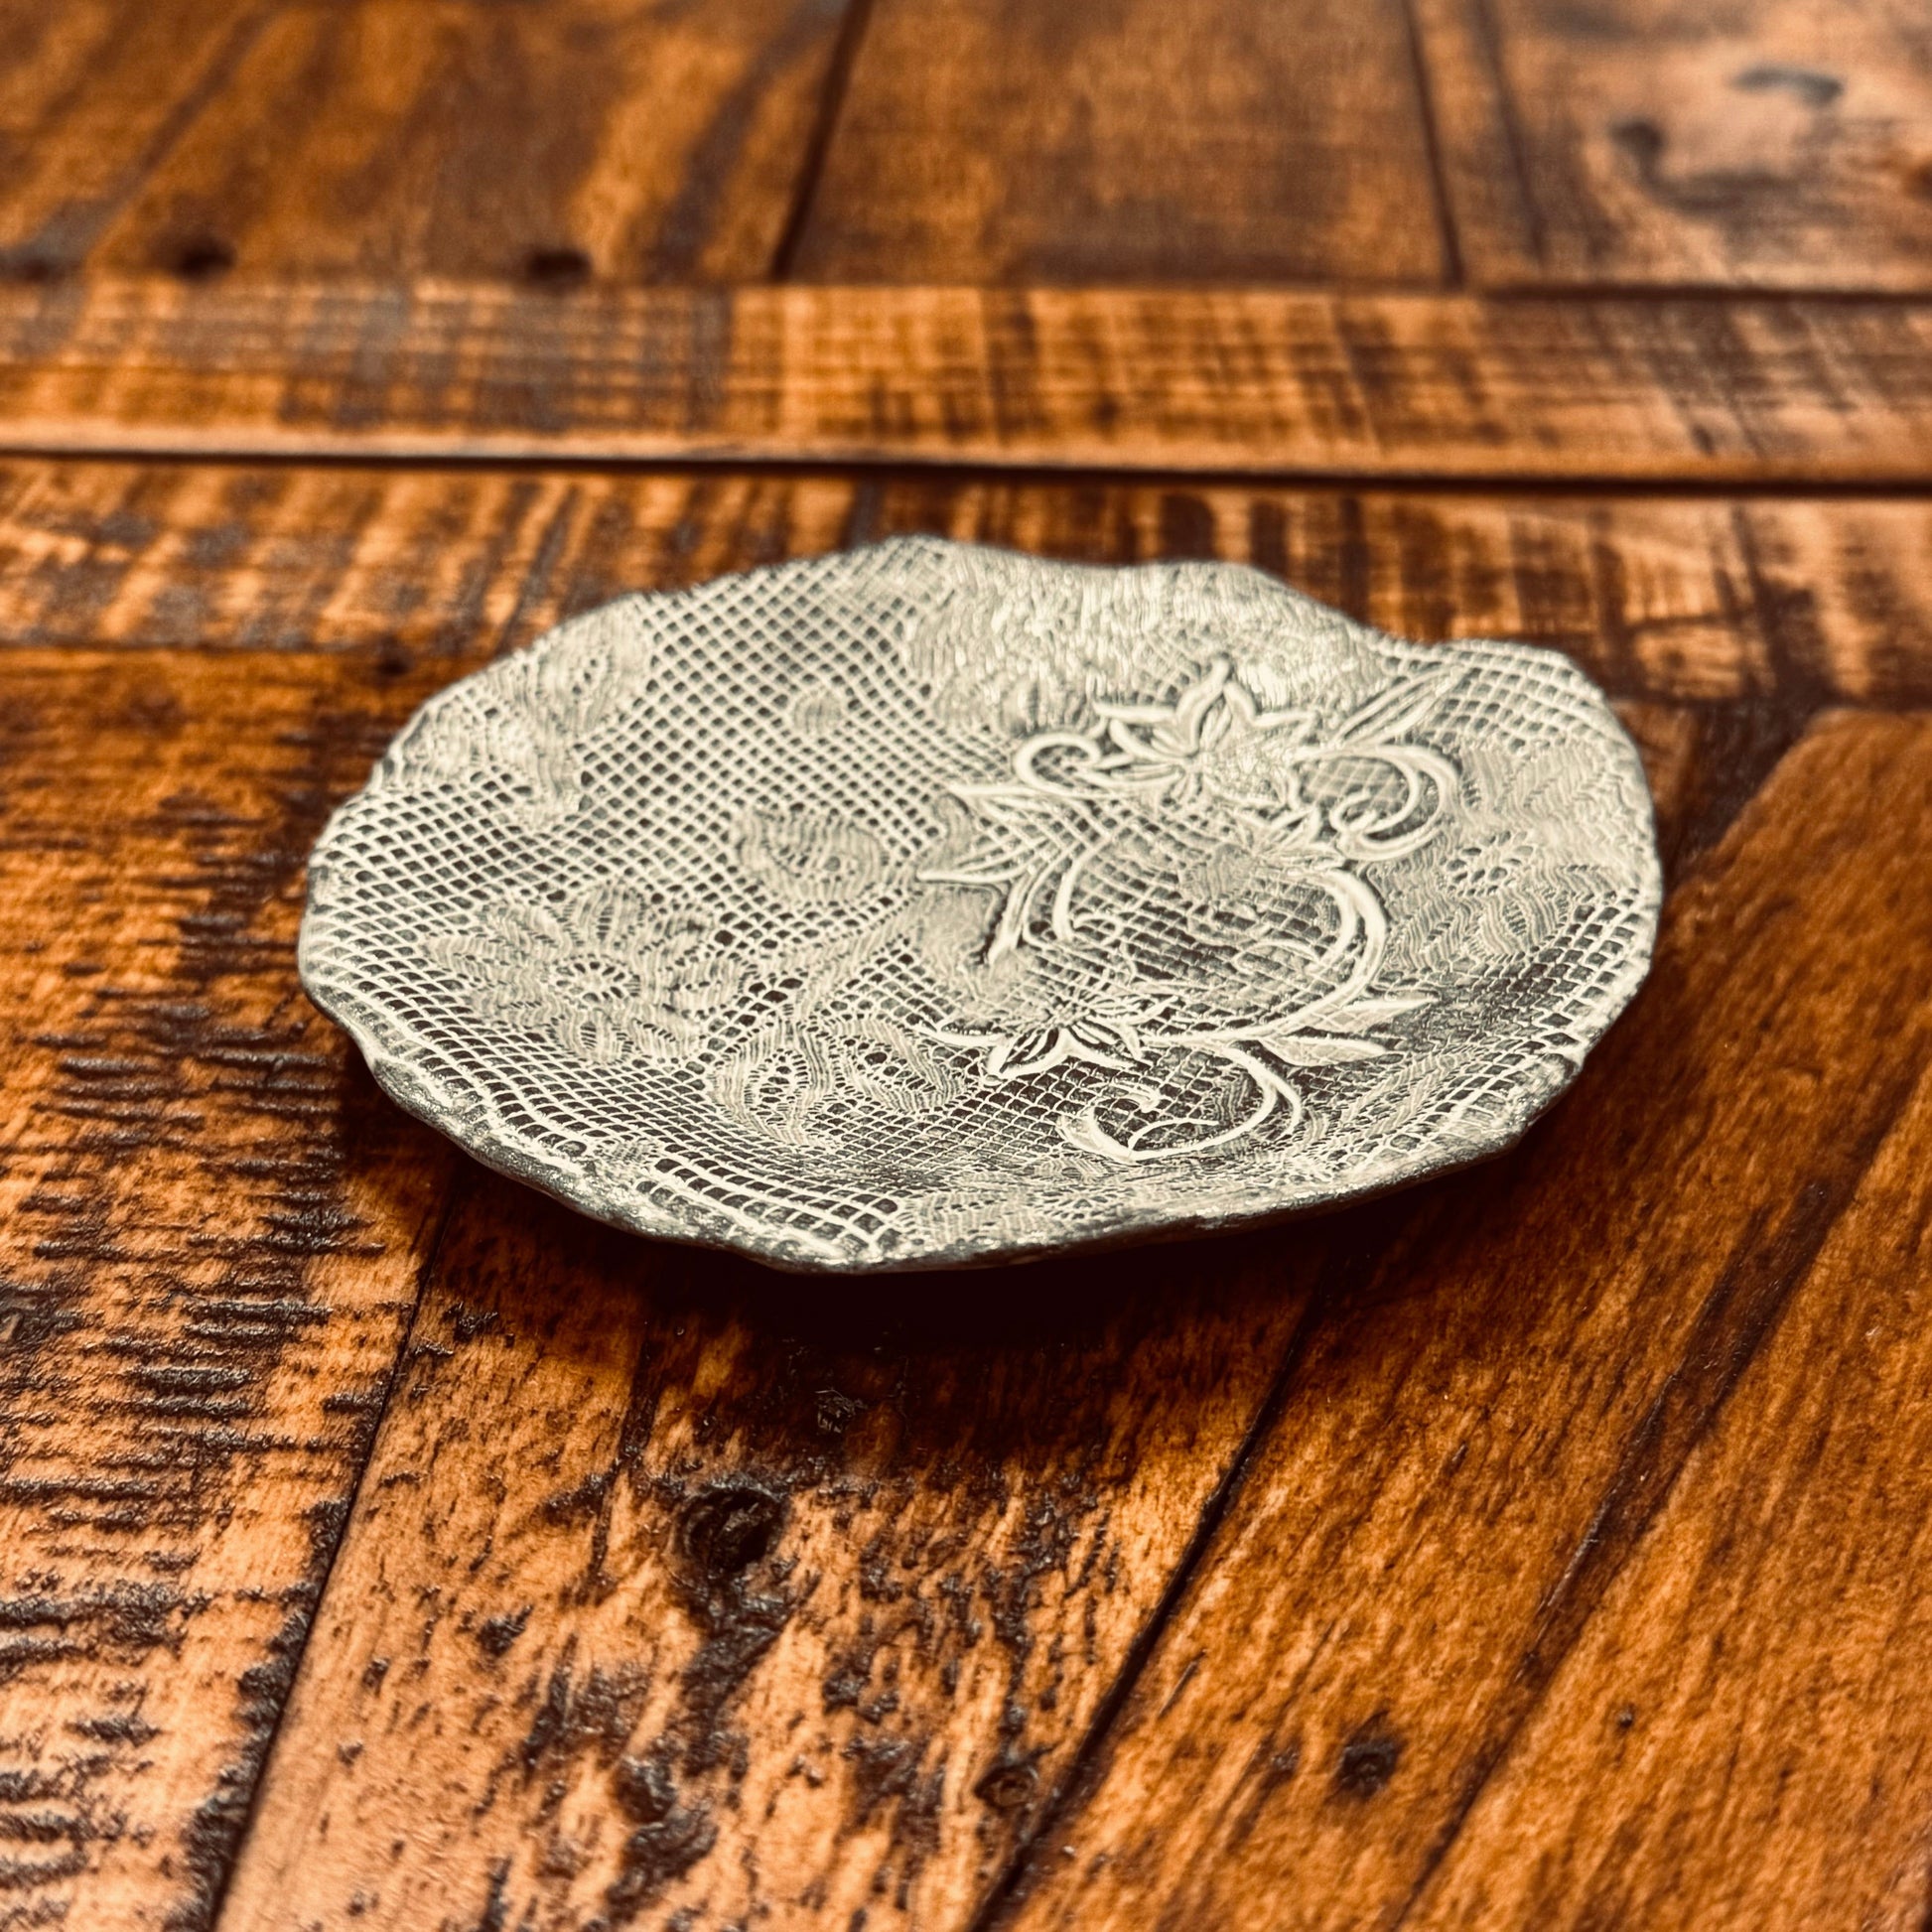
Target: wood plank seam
{"x": 1323, "y": 1849}
{"x": 548, "y": 147}
{"x": 1515, "y": 145}
{"x": 187, "y": 110}
{"x": 324, "y": 1561}
{"x": 1737, "y": 1320}
{"x": 831, "y": 104}
{"x": 1699, "y": 618}
{"x": 879, "y": 469}
{"x": 1453, "y": 275}
{"x": 933, "y": 1678}
{"x": 204, "y": 1210}
{"x": 1753, "y": 1290}
{"x": 31, "y": 259}
{"x": 184, "y": 115}
{"x": 1348, "y": 1266}
{"x": 1001, "y": 143}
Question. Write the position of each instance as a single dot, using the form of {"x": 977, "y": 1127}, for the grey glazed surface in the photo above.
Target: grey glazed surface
{"x": 926, "y": 905}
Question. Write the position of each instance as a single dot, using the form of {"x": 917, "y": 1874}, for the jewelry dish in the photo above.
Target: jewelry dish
{"x": 928, "y": 906}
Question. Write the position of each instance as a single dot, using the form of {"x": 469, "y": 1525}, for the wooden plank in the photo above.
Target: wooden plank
{"x": 681, "y": 1588}
{"x": 1127, "y": 141}
{"x": 672, "y": 1589}
{"x": 92, "y": 95}
{"x": 1279, "y": 384}
{"x": 547, "y": 144}
{"x": 1681, "y": 601}
{"x": 1753, "y": 614}
{"x": 1555, "y": 1413}
{"x": 1780, "y": 145}
{"x": 265, "y": 630}
{"x": 1744, "y": 1732}
{"x": 211, "y": 1228}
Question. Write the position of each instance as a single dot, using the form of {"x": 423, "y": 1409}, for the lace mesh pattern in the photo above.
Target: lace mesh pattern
{"x": 927, "y": 904}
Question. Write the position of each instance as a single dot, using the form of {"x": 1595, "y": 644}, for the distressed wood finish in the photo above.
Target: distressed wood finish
{"x": 382, "y": 1546}
{"x": 1759, "y": 1677}
{"x": 991, "y": 141}
{"x": 1473, "y": 1644}
{"x": 545, "y": 144}
{"x": 1785, "y": 144}
{"x": 1738, "y": 619}
{"x": 715, "y": 1653}
{"x": 1257, "y": 381}
{"x": 1725, "y": 623}
{"x": 1691, "y": 601}
{"x": 92, "y": 95}
{"x": 679, "y": 1587}
{"x": 211, "y": 1228}
{"x": 161, "y": 1040}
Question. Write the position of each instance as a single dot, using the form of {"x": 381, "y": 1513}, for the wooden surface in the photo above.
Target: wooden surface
{"x": 370, "y": 138}
{"x": 1135, "y": 141}
{"x": 1697, "y": 389}
{"x": 215, "y": 1230}
{"x": 382, "y": 1546}
{"x": 1783, "y": 144}
{"x": 90, "y": 99}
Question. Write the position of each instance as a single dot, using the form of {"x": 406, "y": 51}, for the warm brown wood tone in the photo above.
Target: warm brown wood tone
{"x": 1001, "y": 1444}
{"x": 614, "y": 138}
{"x": 714, "y": 1651}
{"x": 1687, "y": 392}
{"x": 1576, "y": 1582}
{"x": 92, "y": 95}
{"x": 1128, "y": 140}
{"x": 1772, "y": 1642}
{"x": 1780, "y": 144}
{"x": 210, "y": 1227}
{"x": 1750, "y": 613}
{"x": 679, "y": 1586}
{"x": 383, "y": 1546}
{"x": 1696, "y": 601}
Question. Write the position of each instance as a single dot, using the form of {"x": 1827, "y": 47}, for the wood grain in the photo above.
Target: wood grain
{"x": 1694, "y": 601}
{"x": 544, "y": 144}
{"x": 953, "y": 1521}
{"x": 948, "y": 1491}
{"x": 1785, "y": 144}
{"x": 1545, "y": 1600}
{"x": 1693, "y": 391}
{"x": 679, "y": 1587}
{"x": 1096, "y": 141}
{"x": 92, "y": 95}
{"x": 1744, "y": 1732}
{"x": 210, "y": 1227}
{"x": 1738, "y": 619}
{"x": 383, "y": 1546}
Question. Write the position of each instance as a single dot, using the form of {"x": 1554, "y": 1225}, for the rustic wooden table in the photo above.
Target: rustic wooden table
{"x": 382, "y": 1546}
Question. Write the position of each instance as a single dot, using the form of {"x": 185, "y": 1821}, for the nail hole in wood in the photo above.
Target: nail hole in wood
{"x": 1642, "y": 141}
{"x": 202, "y": 257}
{"x": 1008, "y": 1787}
{"x": 556, "y": 268}
{"x": 1368, "y": 1761}
{"x": 35, "y": 267}
{"x": 726, "y": 1529}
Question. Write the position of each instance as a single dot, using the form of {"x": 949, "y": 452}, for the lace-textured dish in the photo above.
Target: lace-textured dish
{"x": 927, "y": 904}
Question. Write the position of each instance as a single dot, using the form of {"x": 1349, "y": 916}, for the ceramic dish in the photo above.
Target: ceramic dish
{"x": 926, "y": 905}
